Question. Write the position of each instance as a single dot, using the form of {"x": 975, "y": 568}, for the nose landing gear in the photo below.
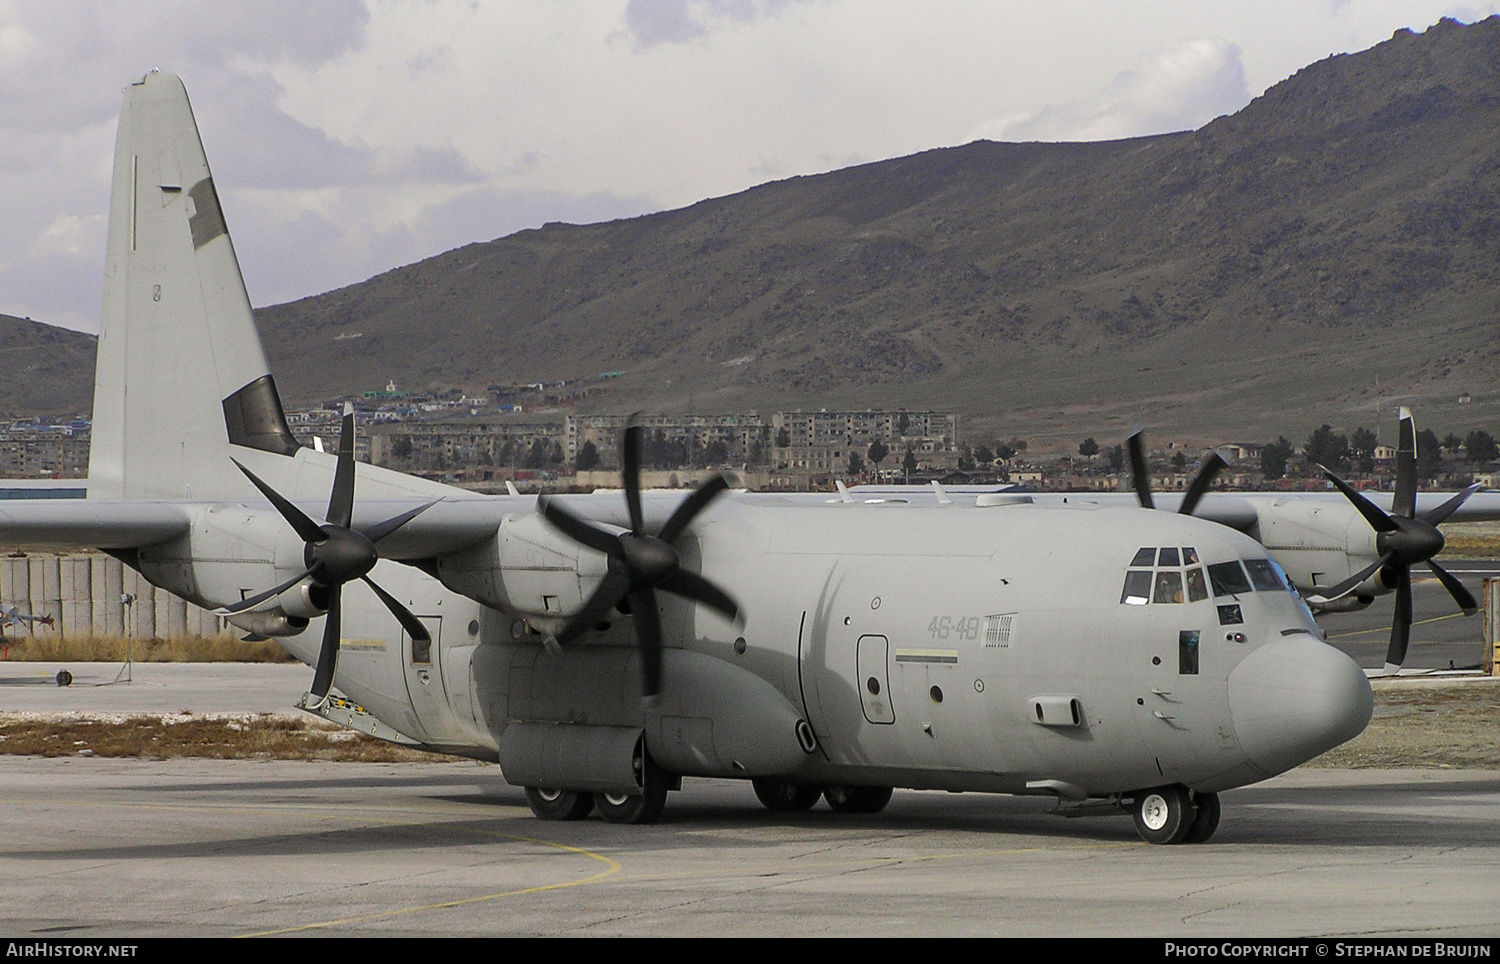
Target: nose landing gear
{"x": 1174, "y": 814}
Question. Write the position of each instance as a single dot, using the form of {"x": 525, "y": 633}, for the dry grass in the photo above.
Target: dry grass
{"x": 1426, "y": 726}
{"x": 1471, "y": 547}
{"x": 1414, "y": 726}
{"x": 47, "y": 647}
{"x": 263, "y": 736}
{"x": 1471, "y": 540}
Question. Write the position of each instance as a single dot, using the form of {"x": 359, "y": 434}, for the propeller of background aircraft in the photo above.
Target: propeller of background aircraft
{"x": 1403, "y": 539}
{"x": 335, "y": 553}
{"x": 1141, "y": 477}
{"x": 640, "y": 563}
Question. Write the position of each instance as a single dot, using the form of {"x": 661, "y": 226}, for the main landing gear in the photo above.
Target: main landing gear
{"x": 1175, "y": 814}
{"x": 643, "y": 807}
{"x": 781, "y": 796}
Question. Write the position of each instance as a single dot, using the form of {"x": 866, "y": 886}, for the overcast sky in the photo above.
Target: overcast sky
{"x": 349, "y": 137}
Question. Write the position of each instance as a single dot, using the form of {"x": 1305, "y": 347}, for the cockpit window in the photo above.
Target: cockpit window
{"x": 1286, "y": 580}
{"x": 1137, "y": 588}
{"x": 1228, "y": 579}
{"x": 1157, "y": 575}
{"x": 1197, "y": 588}
{"x": 1264, "y": 575}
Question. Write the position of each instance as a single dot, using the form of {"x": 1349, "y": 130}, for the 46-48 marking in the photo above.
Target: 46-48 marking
{"x": 954, "y": 627}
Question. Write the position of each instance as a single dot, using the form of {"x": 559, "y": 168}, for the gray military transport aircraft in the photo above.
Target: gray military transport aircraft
{"x": 602, "y": 648}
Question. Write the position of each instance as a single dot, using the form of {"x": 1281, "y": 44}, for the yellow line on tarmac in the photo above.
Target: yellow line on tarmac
{"x": 613, "y": 867}
{"x": 1387, "y": 629}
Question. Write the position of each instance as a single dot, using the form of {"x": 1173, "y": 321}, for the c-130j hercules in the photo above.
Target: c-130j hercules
{"x": 603, "y": 648}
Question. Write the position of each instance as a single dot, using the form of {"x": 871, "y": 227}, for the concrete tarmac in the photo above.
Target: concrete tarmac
{"x": 1441, "y": 635}
{"x": 153, "y": 687}
{"x": 96, "y": 847}
{"x": 100, "y": 848}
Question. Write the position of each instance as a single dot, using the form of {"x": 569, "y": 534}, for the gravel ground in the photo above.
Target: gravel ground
{"x": 1417, "y": 723}
{"x": 1427, "y": 723}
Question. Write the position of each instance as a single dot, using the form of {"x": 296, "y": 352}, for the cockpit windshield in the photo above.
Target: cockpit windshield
{"x": 1229, "y": 578}
{"x": 1174, "y": 574}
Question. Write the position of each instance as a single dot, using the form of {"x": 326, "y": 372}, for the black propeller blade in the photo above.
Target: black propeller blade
{"x": 640, "y": 563}
{"x": 1403, "y": 539}
{"x": 334, "y": 554}
{"x": 1140, "y": 477}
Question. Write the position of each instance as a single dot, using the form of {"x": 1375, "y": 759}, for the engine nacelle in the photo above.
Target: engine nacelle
{"x": 1348, "y": 604}
{"x": 230, "y": 550}
{"x": 268, "y": 623}
{"x": 1319, "y": 543}
{"x": 528, "y": 568}
{"x": 304, "y": 601}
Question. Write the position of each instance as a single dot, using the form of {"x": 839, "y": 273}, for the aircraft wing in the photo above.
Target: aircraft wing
{"x": 84, "y": 524}
{"x": 1239, "y": 510}
{"x": 440, "y": 529}
{"x": 1229, "y": 508}
{"x": 444, "y": 527}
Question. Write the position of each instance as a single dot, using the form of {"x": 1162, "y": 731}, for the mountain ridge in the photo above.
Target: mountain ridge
{"x": 1322, "y": 255}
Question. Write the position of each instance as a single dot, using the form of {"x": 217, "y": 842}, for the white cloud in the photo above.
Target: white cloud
{"x": 1179, "y": 89}
{"x": 348, "y": 137}
{"x": 66, "y": 235}
{"x": 653, "y": 22}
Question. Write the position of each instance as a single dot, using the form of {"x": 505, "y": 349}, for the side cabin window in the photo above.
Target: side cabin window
{"x": 1187, "y": 652}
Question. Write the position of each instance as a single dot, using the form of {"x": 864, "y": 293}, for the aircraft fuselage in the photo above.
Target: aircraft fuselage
{"x": 919, "y": 646}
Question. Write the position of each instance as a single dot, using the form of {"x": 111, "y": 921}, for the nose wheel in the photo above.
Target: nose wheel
{"x": 1173, "y": 814}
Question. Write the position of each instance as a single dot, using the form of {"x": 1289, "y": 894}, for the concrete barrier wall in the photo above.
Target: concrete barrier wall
{"x": 84, "y": 594}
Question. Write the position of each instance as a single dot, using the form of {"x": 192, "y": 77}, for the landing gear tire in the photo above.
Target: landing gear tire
{"x": 559, "y": 804}
{"x": 780, "y": 796}
{"x": 857, "y": 799}
{"x": 1164, "y": 815}
{"x": 1205, "y": 820}
{"x": 644, "y": 807}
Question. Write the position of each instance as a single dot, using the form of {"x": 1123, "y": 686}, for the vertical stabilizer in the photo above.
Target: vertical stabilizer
{"x": 180, "y": 372}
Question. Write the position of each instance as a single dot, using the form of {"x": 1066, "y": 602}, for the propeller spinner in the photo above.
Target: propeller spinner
{"x": 640, "y": 563}
{"x": 335, "y": 553}
{"x": 1403, "y": 539}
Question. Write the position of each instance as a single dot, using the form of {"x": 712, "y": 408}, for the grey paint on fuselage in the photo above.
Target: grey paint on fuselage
{"x": 929, "y": 581}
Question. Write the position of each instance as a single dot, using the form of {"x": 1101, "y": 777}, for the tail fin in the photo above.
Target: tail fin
{"x": 180, "y": 373}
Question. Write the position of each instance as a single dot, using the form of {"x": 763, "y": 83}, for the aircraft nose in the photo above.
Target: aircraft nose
{"x": 1294, "y": 698}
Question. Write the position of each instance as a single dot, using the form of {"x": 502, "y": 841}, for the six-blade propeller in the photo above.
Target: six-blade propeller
{"x": 1403, "y": 539}
{"x": 1140, "y": 477}
{"x": 640, "y": 563}
{"x": 335, "y": 553}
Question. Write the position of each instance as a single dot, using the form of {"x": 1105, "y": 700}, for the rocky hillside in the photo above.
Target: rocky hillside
{"x": 48, "y": 371}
